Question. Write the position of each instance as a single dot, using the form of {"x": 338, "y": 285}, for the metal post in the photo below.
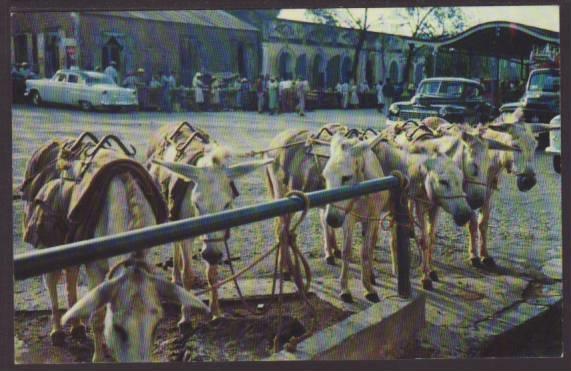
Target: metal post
{"x": 401, "y": 229}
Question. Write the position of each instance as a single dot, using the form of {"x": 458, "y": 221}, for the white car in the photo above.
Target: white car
{"x": 86, "y": 89}
{"x": 555, "y": 144}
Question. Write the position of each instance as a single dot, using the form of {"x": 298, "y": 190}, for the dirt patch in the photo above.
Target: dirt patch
{"x": 241, "y": 336}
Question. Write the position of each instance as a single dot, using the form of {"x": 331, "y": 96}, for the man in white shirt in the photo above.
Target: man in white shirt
{"x": 111, "y": 71}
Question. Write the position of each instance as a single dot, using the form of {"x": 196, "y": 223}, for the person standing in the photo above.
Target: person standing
{"x": 260, "y": 93}
{"x": 273, "y": 92}
{"x": 380, "y": 97}
{"x": 198, "y": 93}
{"x": 130, "y": 81}
{"x": 388, "y": 94}
{"x": 339, "y": 94}
{"x": 245, "y": 94}
{"x": 354, "y": 102}
{"x": 302, "y": 88}
{"x": 215, "y": 95}
{"x": 282, "y": 86}
{"x": 344, "y": 95}
{"x": 169, "y": 83}
{"x": 363, "y": 90}
{"x": 111, "y": 72}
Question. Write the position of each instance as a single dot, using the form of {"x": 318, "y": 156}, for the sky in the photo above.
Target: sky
{"x": 546, "y": 17}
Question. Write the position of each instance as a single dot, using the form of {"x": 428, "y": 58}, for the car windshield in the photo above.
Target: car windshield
{"x": 547, "y": 81}
{"x": 442, "y": 88}
{"x": 99, "y": 79}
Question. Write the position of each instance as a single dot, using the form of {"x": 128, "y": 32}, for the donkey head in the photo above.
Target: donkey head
{"x": 520, "y": 136}
{"x": 134, "y": 309}
{"x": 444, "y": 186}
{"x": 213, "y": 190}
{"x": 350, "y": 162}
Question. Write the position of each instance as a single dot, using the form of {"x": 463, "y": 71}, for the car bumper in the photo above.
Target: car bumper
{"x": 553, "y": 151}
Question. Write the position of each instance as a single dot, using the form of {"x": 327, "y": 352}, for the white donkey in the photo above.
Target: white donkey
{"x": 351, "y": 161}
{"x": 208, "y": 190}
{"x": 434, "y": 182}
{"x": 123, "y": 206}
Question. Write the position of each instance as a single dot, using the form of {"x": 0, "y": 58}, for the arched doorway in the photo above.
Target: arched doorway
{"x": 111, "y": 52}
{"x": 240, "y": 56}
{"x": 369, "y": 71}
{"x": 333, "y": 71}
{"x": 285, "y": 66}
{"x": 301, "y": 67}
{"x": 394, "y": 72}
{"x": 317, "y": 73}
{"x": 346, "y": 69}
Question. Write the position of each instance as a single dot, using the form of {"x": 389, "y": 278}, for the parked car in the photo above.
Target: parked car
{"x": 86, "y": 89}
{"x": 19, "y": 85}
{"x": 540, "y": 102}
{"x": 554, "y": 148}
{"x": 454, "y": 99}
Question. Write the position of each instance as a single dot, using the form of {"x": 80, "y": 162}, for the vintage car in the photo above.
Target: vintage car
{"x": 540, "y": 102}
{"x": 457, "y": 100}
{"x": 554, "y": 148}
{"x": 86, "y": 89}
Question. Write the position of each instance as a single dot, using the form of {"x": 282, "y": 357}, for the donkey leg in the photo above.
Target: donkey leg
{"x": 96, "y": 272}
{"x": 483, "y": 222}
{"x": 177, "y": 264}
{"x": 473, "y": 243}
{"x": 284, "y": 240}
{"x": 212, "y": 277}
{"x": 329, "y": 243}
{"x": 367, "y": 250}
{"x": 346, "y": 255}
{"x": 184, "y": 261}
{"x": 50, "y": 280}
{"x": 432, "y": 223}
{"x": 426, "y": 280}
{"x": 71, "y": 277}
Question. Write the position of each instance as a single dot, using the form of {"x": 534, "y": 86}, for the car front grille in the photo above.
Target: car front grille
{"x": 416, "y": 115}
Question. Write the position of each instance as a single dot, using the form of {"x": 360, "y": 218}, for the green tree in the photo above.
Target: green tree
{"x": 429, "y": 24}
{"x": 344, "y": 17}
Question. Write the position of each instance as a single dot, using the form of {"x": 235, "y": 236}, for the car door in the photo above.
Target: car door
{"x": 56, "y": 91}
{"x": 72, "y": 89}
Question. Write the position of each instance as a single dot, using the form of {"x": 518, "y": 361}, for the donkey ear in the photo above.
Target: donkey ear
{"x": 93, "y": 300}
{"x": 186, "y": 172}
{"x": 500, "y": 146}
{"x": 244, "y": 168}
{"x": 171, "y": 292}
{"x": 360, "y": 148}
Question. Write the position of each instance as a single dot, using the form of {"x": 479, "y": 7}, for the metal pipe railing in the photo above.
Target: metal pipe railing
{"x": 58, "y": 257}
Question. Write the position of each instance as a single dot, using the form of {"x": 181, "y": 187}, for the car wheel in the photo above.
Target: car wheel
{"x": 36, "y": 99}
{"x": 557, "y": 164}
{"x": 85, "y": 106}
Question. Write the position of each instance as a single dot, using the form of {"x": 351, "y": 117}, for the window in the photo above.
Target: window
{"x": 60, "y": 77}
{"x": 547, "y": 81}
{"x": 73, "y": 79}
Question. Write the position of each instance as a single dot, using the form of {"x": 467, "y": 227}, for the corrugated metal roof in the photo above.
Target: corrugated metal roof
{"x": 207, "y": 18}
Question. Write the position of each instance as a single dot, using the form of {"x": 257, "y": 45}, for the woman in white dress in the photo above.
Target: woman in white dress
{"x": 354, "y": 102}
{"x": 380, "y": 97}
{"x": 198, "y": 93}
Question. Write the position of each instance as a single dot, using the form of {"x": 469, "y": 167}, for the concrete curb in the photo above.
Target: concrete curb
{"x": 378, "y": 332}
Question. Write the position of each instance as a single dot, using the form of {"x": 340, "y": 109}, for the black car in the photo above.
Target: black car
{"x": 540, "y": 102}
{"x": 454, "y": 99}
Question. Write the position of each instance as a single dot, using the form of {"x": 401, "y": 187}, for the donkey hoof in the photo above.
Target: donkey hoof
{"x": 476, "y": 263}
{"x": 330, "y": 260}
{"x": 184, "y": 328}
{"x": 78, "y": 332}
{"x": 337, "y": 254}
{"x": 433, "y": 276}
{"x": 488, "y": 262}
{"x": 58, "y": 338}
{"x": 346, "y": 297}
{"x": 372, "y": 297}
{"x": 427, "y": 284}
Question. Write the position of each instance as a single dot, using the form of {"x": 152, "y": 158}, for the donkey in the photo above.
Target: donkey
{"x": 126, "y": 200}
{"x": 434, "y": 182}
{"x": 296, "y": 168}
{"x": 351, "y": 161}
{"x": 207, "y": 188}
{"x": 130, "y": 329}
